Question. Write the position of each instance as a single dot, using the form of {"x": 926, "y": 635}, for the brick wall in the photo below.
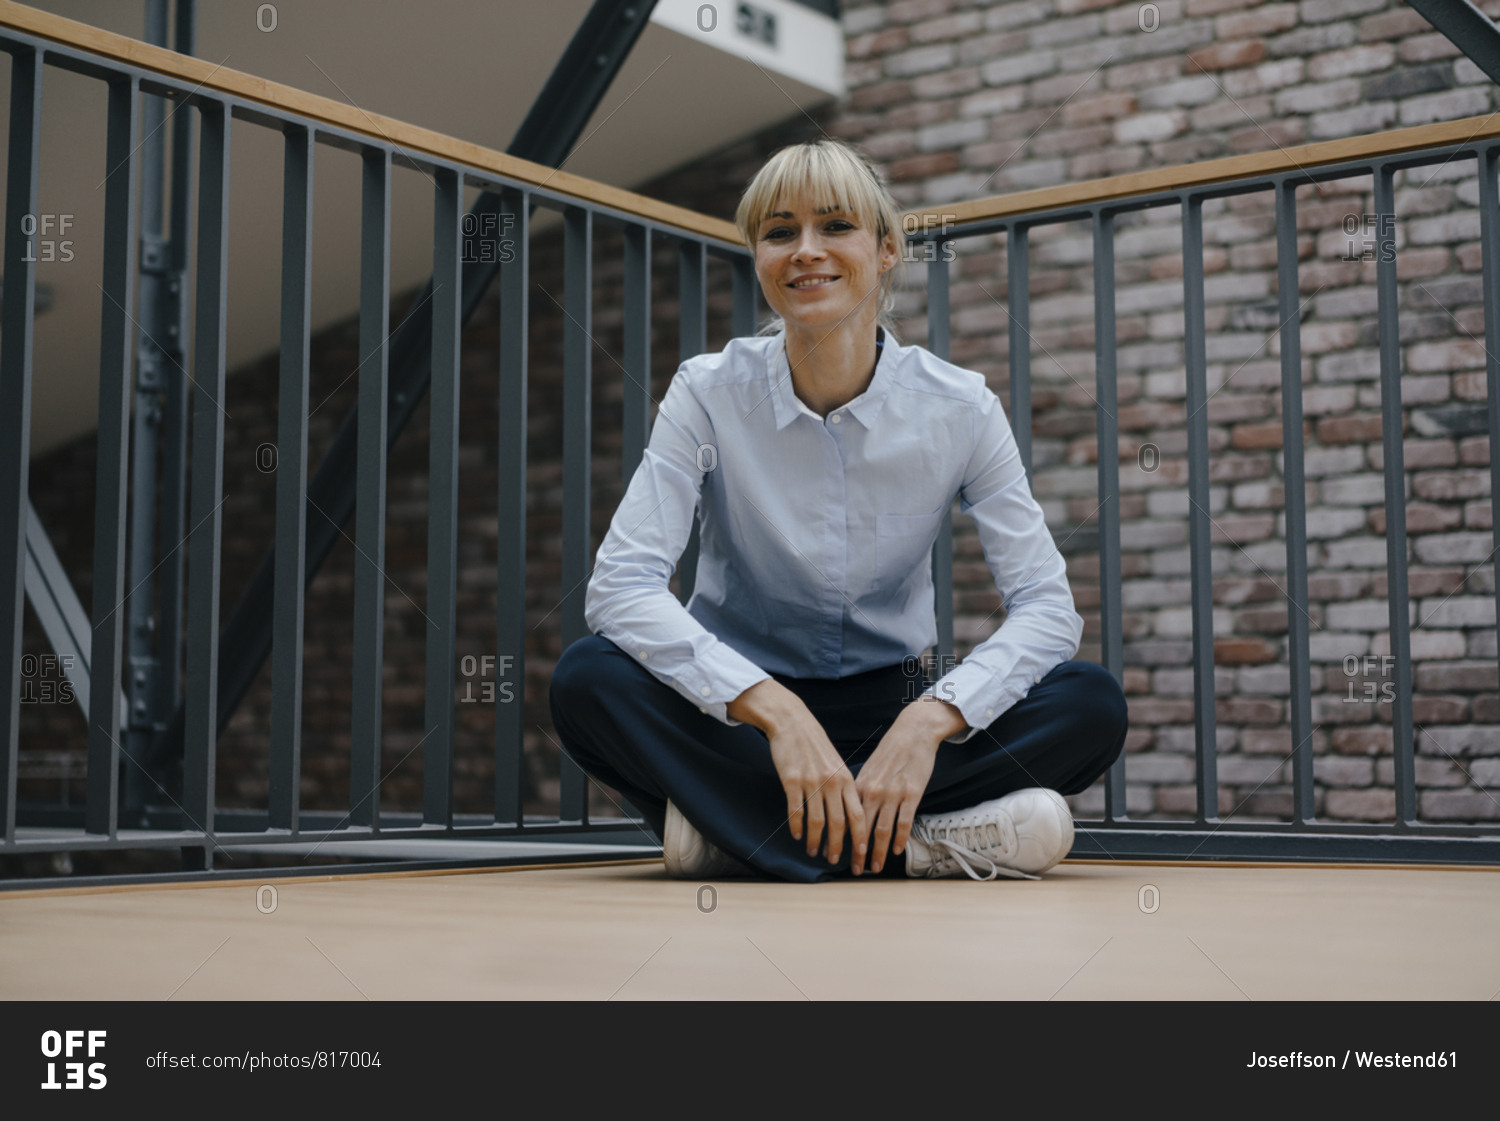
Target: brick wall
{"x": 959, "y": 100}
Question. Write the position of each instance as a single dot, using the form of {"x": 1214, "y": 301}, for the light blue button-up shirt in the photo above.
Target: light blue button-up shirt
{"x": 816, "y": 533}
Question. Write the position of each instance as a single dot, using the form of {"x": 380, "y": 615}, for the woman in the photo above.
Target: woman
{"x": 773, "y": 724}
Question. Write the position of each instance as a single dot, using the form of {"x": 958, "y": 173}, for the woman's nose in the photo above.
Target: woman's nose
{"x": 809, "y": 247}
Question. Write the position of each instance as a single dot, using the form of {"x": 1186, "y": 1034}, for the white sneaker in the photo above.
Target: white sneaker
{"x": 1018, "y": 836}
{"x": 690, "y": 856}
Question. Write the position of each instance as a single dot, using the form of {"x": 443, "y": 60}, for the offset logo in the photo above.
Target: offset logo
{"x": 66, "y": 1045}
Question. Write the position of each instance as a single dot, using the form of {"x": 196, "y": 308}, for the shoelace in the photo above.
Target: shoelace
{"x": 976, "y": 836}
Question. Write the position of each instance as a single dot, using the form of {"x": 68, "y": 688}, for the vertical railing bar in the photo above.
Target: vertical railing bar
{"x": 939, "y": 330}
{"x": 1018, "y": 299}
{"x": 578, "y": 249}
{"x": 636, "y": 368}
{"x": 116, "y": 343}
{"x": 17, "y": 308}
{"x": 1195, "y": 347}
{"x": 291, "y": 480}
{"x": 1489, "y": 227}
{"x": 636, "y": 422}
{"x": 1389, "y": 335}
{"x": 1299, "y": 656}
{"x": 746, "y": 296}
{"x": 1106, "y": 394}
{"x": 200, "y": 728}
{"x": 510, "y": 563}
{"x": 176, "y": 410}
{"x": 369, "y": 517}
{"x": 442, "y": 508}
{"x": 175, "y": 404}
{"x": 692, "y": 276}
{"x": 693, "y": 281}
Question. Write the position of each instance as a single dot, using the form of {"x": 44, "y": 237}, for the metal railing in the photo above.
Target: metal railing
{"x": 1303, "y": 837}
{"x": 130, "y": 70}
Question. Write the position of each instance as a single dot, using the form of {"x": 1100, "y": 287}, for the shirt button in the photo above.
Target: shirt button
{"x": 644, "y": 655}
{"x": 702, "y": 709}
{"x": 1037, "y": 680}
{"x": 703, "y": 692}
{"x": 837, "y": 418}
{"x": 989, "y": 712}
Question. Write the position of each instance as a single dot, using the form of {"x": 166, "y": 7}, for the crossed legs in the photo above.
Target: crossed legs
{"x": 631, "y": 731}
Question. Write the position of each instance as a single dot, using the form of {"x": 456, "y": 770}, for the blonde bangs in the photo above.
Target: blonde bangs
{"x": 830, "y": 175}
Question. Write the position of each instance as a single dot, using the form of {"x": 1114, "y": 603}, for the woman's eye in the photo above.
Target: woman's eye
{"x": 839, "y": 225}
{"x": 778, "y": 234}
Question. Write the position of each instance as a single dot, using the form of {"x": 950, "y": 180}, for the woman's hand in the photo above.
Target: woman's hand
{"x": 893, "y": 780}
{"x": 820, "y": 790}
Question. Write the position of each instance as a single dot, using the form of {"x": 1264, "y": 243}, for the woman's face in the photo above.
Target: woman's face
{"x": 819, "y": 268}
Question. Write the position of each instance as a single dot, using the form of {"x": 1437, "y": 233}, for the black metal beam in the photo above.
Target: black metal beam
{"x": 1470, "y": 30}
{"x": 579, "y": 80}
{"x": 553, "y": 125}
{"x": 160, "y": 361}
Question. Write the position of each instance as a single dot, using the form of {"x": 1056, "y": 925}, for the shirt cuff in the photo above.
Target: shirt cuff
{"x": 976, "y": 693}
{"x": 713, "y": 679}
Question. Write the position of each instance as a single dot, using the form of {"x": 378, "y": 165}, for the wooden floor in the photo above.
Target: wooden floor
{"x": 1086, "y": 931}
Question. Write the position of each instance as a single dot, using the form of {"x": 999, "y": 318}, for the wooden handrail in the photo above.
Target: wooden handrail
{"x": 1304, "y": 157}
{"x": 418, "y": 141}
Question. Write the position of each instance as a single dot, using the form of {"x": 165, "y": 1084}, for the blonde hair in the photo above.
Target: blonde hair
{"x": 834, "y": 174}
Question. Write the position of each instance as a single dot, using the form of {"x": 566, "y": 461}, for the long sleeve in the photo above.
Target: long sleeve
{"x": 1042, "y": 628}
{"x": 628, "y": 601}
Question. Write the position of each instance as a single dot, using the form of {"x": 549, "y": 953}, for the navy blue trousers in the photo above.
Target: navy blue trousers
{"x": 633, "y": 732}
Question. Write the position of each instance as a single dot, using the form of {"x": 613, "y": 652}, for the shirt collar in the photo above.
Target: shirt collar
{"x": 863, "y": 408}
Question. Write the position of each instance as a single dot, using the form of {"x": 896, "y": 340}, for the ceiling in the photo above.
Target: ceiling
{"x": 468, "y": 68}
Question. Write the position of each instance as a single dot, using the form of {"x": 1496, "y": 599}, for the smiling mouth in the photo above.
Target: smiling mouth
{"x": 813, "y": 282}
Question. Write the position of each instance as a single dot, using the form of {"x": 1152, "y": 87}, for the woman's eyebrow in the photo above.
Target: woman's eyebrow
{"x": 820, "y": 210}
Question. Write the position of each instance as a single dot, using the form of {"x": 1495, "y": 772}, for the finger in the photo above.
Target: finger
{"x": 904, "y": 822}
{"x": 794, "y": 810}
{"x": 858, "y": 836}
{"x": 815, "y": 821}
{"x": 883, "y": 825}
{"x": 835, "y": 801}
